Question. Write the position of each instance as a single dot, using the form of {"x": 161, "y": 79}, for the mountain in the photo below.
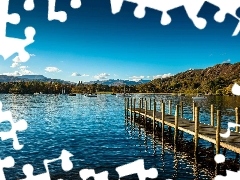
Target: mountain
{"x": 33, "y": 77}
{"x": 212, "y": 80}
{"x": 5, "y": 78}
{"x": 117, "y": 82}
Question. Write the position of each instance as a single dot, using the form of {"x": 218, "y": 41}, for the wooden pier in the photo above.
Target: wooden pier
{"x": 210, "y": 133}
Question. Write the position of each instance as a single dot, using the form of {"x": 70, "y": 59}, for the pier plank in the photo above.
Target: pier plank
{"x": 206, "y": 132}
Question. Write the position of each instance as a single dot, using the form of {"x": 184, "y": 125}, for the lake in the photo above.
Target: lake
{"x": 94, "y": 131}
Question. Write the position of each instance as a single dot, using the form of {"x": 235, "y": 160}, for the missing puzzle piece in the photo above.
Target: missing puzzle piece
{"x": 192, "y": 9}
{"x": 8, "y": 162}
{"x": 16, "y": 126}
{"x": 8, "y": 45}
{"x": 66, "y": 163}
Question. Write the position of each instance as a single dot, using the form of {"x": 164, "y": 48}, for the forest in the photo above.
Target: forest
{"x": 217, "y": 80}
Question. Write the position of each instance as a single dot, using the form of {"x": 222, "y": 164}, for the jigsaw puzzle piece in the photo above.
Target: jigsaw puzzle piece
{"x": 7, "y": 162}
{"x": 137, "y": 167}
{"x": 65, "y": 162}
{"x": 16, "y": 126}
{"x": 29, "y": 5}
{"x": 192, "y": 9}
{"x": 87, "y": 173}
{"x": 9, "y": 45}
{"x": 5, "y": 17}
{"x": 75, "y": 4}
{"x": 53, "y": 15}
{"x": 227, "y": 7}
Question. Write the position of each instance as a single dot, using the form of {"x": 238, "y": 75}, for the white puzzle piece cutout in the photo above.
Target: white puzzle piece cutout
{"x": 87, "y": 173}
{"x": 8, "y": 162}
{"x": 192, "y": 9}
{"x": 66, "y": 166}
{"x": 20, "y": 125}
{"x": 8, "y": 45}
{"x": 137, "y": 167}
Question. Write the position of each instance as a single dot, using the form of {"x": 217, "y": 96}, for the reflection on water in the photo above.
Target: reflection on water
{"x": 94, "y": 131}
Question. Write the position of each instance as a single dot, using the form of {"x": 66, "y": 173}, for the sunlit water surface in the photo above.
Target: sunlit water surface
{"x": 94, "y": 131}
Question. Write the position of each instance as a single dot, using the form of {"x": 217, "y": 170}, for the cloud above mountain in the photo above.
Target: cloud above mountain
{"x": 52, "y": 69}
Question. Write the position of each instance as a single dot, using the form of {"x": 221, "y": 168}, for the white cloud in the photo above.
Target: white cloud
{"x": 162, "y": 76}
{"x": 15, "y": 73}
{"x": 22, "y": 71}
{"x": 76, "y": 74}
{"x": 227, "y": 61}
{"x": 85, "y": 75}
{"x": 52, "y": 69}
{"x": 15, "y": 64}
{"x": 136, "y": 78}
{"x": 17, "y": 61}
{"x": 102, "y": 76}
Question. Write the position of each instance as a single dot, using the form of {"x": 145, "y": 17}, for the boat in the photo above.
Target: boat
{"x": 181, "y": 94}
{"x": 124, "y": 94}
{"x": 71, "y": 94}
{"x": 199, "y": 97}
{"x": 113, "y": 94}
{"x": 90, "y": 95}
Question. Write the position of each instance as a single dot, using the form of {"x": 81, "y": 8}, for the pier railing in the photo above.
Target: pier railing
{"x": 209, "y": 132}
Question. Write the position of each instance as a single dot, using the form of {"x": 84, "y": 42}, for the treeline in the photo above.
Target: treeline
{"x": 213, "y": 80}
{"x": 217, "y": 80}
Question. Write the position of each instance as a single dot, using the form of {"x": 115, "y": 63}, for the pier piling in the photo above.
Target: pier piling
{"x": 196, "y": 129}
{"x": 237, "y": 118}
{"x": 193, "y": 111}
{"x": 218, "y": 131}
{"x": 163, "y": 117}
{"x": 212, "y": 115}
{"x": 169, "y": 107}
{"x": 176, "y": 124}
{"x": 134, "y": 113}
{"x": 154, "y": 113}
{"x": 145, "y": 115}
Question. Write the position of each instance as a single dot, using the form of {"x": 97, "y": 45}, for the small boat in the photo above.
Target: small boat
{"x": 124, "y": 95}
{"x": 71, "y": 94}
{"x": 91, "y": 95}
{"x": 181, "y": 94}
{"x": 199, "y": 97}
{"x": 113, "y": 94}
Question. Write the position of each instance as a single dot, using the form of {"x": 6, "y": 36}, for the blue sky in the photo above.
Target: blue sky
{"x": 96, "y": 44}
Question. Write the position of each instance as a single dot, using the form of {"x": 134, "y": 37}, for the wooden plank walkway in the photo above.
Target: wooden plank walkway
{"x": 204, "y": 131}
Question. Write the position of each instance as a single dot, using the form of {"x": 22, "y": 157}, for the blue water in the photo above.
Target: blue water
{"x": 94, "y": 131}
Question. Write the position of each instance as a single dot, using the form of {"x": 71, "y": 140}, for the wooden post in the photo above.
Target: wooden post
{"x": 181, "y": 104}
{"x": 176, "y": 124}
{"x": 145, "y": 117}
{"x": 218, "y": 131}
{"x": 169, "y": 107}
{"x": 154, "y": 114}
{"x": 196, "y": 129}
{"x": 134, "y": 112}
{"x": 127, "y": 107}
{"x": 131, "y": 109}
{"x": 142, "y": 102}
{"x": 163, "y": 117}
{"x": 237, "y": 118}
{"x": 194, "y": 104}
{"x": 140, "y": 109}
{"x": 212, "y": 115}
{"x": 150, "y": 104}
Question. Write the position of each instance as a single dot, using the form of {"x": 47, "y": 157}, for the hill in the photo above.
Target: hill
{"x": 212, "y": 80}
